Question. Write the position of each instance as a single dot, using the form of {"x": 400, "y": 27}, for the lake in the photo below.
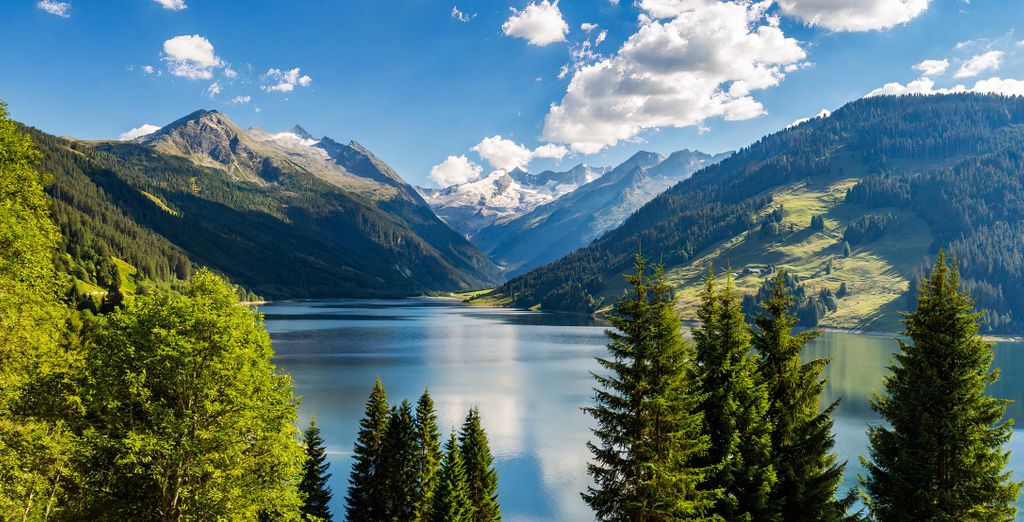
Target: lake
{"x": 529, "y": 374}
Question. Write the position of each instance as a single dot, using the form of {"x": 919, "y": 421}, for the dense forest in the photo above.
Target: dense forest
{"x": 954, "y": 159}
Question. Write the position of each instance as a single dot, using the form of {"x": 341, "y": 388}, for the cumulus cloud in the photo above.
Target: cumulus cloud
{"x": 172, "y": 5}
{"x": 539, "y": 23}
{"x": 587, "y": 26}
{"x": 454, "y": 171}
{"x": 213, "y": 90}
{"x": 239, "y": 100}
{"x": 138, "y": 132}
{"x": 191, "y": 56}
{"x": 55, "y": 8}
{"x": 460, "y": 15}
{"x": 284, "y": 81}
{"x": 824, "y": 113}
{"x": 703, "y": 62}
{"x": 932, "y": 67}
{"x": 503, "y": 153}
{"x": 993, "y": 85}
{"x": 551, "y": 151}
{"x": 979, "y": 64}
{"x": 854, "y": 15}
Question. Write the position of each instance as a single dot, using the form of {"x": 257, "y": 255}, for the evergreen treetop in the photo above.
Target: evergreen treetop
{"x": 481, "y": 477}
{"x": 428, "y": 454}
{"x": 313, "y": 486}
{"x": 451, "y": 502}
{"x": 365, "y": 500}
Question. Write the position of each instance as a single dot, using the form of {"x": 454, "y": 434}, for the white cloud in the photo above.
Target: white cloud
{"x": 587, "y": 26}
{"x": 539, "y": 23}
{"x": 172, "y": 5}
{"x": 213, "y": 90}
{"x": 702, "y": 63}
{"x": 854, "y": 15}
{"x": 979, "y": 64}
{"x": 55, "y": 8}
{"x": 454, "y": 171}
{"x": 284, "y": 81}
{"x": 932, "y": 67}
{"x": 600, "y": 37}
{"x": 550, "y": 150}
{"x": 993, "y": 85}
{"x": 148, "y": 69}
{"x": 996, "y": 85}
{"x": 239, "y": 100}
{"x": 230, "y": 73}
{"x": 191, "y": 56}
{"x": 138, "y": 132}
{"x": 824, "y": 113}
{"x": 460, "y": 15}
{"x": 502, "y": 153}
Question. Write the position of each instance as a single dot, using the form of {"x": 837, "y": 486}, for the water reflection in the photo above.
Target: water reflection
{"x": 529, "y": 374}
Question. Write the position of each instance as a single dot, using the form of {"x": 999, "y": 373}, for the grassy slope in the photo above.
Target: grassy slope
{"x": 877, "y": 274}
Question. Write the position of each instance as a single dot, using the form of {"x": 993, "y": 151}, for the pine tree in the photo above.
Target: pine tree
{"x": 806, "y": 469}
{"x": 428, "y": 455}
{"x": 451, "y": 501}
{"x": 366, "y": 500}
{"x": 648, "y": 428}
{"x": 481, "y": 477}
{"x": 316, "y": 493}
{"x": 398, "y": 464}
{"x": 734, "y": 407}
{"x": 941, "y": 454}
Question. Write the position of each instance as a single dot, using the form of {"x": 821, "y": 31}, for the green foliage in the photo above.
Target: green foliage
{"x": 867, "y": 228}
{"x": 366, "y": 496}
{"x": 428, "y": 455}
{"x": 316, "y": 494}
{"x": 809, "y": 308}
{"x": 398, "y": 465}
{"x": 481, "y": 478}
{"x": 188, "y": 418}
{"x": 940, "y": 455}
{"x": 818, "y": 223}
{"x": 648, "y": 425}
{"x": 801, "y": 439}
{"x": 734, "y": 407}
{"x": 451, "y": 502}
{"x": 37, "y": 373}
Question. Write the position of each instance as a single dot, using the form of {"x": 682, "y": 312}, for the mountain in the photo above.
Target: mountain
{"x": 853, "y": 206}
{"x": 471, "y": 206}
{"x": 572, "y": 221}
{"x": 284, "y": 214}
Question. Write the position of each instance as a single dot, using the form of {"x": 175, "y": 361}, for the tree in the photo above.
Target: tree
{"x": 734, "y": 407}
{"x": 188, "y": 417}
{"x": 427, "y": 456}
{"x": 37, "y": 373}
{"x": 941, "y": 454}
{"x": 365, "y": 500}
{"x": 847, "y": 252}
{"x": 451, "y": 501}
{"x": 481, "y": 477}
{"x": 313, "y": 486}
{"x": 806, "y": 469}
{"x": 398, "y": 465}
{"x": 648, "y": 429}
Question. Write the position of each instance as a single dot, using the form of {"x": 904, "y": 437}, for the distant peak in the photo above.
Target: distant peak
{"x": 300, "y": 132}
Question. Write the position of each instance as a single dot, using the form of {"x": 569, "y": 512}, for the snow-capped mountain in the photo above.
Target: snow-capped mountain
{"x": 502, "y": 195}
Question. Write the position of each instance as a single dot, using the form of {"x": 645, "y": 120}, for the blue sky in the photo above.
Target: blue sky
{"x": 420, "y": 83}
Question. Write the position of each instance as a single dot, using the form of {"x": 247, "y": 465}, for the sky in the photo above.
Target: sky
{"x": 445, "y": 92}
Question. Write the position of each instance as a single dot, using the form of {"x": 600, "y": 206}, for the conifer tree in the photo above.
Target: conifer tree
{"x": 734, "y": 407}
{"x": 366, "y": 500}
{"x": 941, "y": 454}
{"x": 398, "y": 464}
{"x": 806, "y": 469}
{"x": 313, "y": 486}
{"x": 648, "y": 428}
{"x": 451, "y": 501}
{"x": 481, "y": 478}
{"x": 428, "y": 454}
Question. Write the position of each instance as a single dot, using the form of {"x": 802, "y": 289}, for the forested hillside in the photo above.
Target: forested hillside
{"x": 141, "y": 215}
{"x": 940, "y": 171}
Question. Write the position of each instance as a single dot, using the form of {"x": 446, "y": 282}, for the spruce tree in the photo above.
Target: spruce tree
{"x": 941, "y": 454}
{"x": 806, "y": 469}
{"x": 366, "y": 499}
{"x": 313, "y": 486}
{"x": 648, "y": 429}
{"x": 398, "y": 464}
{"x": 428, "y": 455}
{"x": 451, "y": 501}
{"x": 481, "y": 477}
{"x": 734, "y": 407}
